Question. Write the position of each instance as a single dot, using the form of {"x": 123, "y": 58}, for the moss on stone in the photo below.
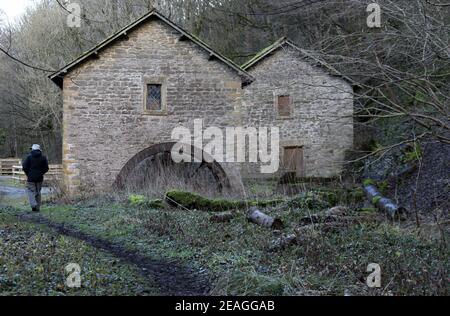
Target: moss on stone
{"x": 155, "y": 204}
{"x": 195, "y": 201}
{"x": 376, "y": 199}
{"x": 338, "y": 196}
{"x": 310, "y": 200}
{"x": 143, "y": 202}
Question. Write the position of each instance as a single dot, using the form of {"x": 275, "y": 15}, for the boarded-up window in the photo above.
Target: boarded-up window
{"x": 284, "y": 105}
{"x": 154, "y": 97}
{"x": 293, "y": 160}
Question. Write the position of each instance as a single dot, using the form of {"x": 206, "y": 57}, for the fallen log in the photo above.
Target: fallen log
{"x": 382, "y": 203}
{"x": 257, "y": 217}
{"x": 222, "y": 217}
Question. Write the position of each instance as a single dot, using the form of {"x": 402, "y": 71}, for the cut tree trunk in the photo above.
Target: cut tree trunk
{"x": 257, "y": 217}
{"x": 382, "y": 203}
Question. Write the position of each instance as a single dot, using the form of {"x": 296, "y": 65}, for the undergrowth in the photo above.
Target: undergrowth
{"x": 239, "y": 258}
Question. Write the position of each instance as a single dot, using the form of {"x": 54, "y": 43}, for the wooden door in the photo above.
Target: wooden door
{"x": 293, "y": 161}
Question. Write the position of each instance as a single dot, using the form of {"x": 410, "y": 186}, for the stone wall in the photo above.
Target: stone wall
{"x": 322, "y": 117}
{"x": 105, "y": 123}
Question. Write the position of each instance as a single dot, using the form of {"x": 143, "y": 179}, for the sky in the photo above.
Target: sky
{"x": 14, "y": 8}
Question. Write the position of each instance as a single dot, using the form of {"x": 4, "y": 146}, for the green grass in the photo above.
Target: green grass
{"x": 8, "y": 182}
{"x": 194, "y": 201}
{"x": 33, "y": 261}
{"x": 238, "y": 256}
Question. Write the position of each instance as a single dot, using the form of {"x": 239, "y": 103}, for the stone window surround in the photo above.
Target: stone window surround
{"x": 159, "y": 81}
{"x": 276, "y": 95}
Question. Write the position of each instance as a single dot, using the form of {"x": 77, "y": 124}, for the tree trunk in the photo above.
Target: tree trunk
{"x": 382, "y": 203}
{"x": 257, "y": 217}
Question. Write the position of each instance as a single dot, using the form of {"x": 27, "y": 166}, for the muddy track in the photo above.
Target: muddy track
{"x": 172, "y": 278}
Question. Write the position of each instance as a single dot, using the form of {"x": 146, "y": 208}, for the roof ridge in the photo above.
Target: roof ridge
{"x": 285, "y": 40}
{"x": 264, "y": 52}
{"x": 57, "y": 76}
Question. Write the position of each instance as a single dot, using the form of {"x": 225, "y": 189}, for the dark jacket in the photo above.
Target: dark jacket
{"x": 35, "y": 166}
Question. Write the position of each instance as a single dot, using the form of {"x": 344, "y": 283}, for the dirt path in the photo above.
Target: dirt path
{"x": 173, "y": 279}
{"x": 14, "y": 191}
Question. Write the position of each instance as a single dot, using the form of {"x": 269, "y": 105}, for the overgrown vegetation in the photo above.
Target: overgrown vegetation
{"x": 143, "y": 202}
{"x": 403, "y": 94}
{"x": 193, "y": 201}
{"x": 403, "y": 81}
{"x": 239, "y": 255}
{"x": 33, "y": 261}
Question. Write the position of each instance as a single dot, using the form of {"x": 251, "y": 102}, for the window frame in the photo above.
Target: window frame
{"x": 155, "y": 81}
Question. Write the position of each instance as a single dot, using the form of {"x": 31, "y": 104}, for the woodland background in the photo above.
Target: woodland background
{"x": 401, "y": 71}
{"x": 131, "y": 244}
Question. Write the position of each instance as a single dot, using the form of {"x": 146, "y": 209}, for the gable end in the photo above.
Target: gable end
{"x": 58, "y": 76}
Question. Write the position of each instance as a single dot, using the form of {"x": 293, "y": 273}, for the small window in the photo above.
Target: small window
{"x": 154, "y": 97}
{"x": 284, "y": 105}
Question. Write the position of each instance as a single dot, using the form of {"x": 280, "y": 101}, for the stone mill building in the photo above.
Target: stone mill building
{"x": 123, "y": 98}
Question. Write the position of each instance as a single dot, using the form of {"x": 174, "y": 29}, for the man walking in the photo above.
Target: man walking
{"x": 35, "y": 167}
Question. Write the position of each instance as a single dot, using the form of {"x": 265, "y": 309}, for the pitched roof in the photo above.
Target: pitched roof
{"x": 58, "y": 76}
{"x": 264, "y": 53}
{"x": 268, "y": 51}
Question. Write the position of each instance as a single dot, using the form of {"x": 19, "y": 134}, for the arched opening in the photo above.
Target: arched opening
{"x": 155, "y": 161}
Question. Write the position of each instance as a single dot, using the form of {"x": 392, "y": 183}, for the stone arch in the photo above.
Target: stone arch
{"x": 216, "y": 169}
